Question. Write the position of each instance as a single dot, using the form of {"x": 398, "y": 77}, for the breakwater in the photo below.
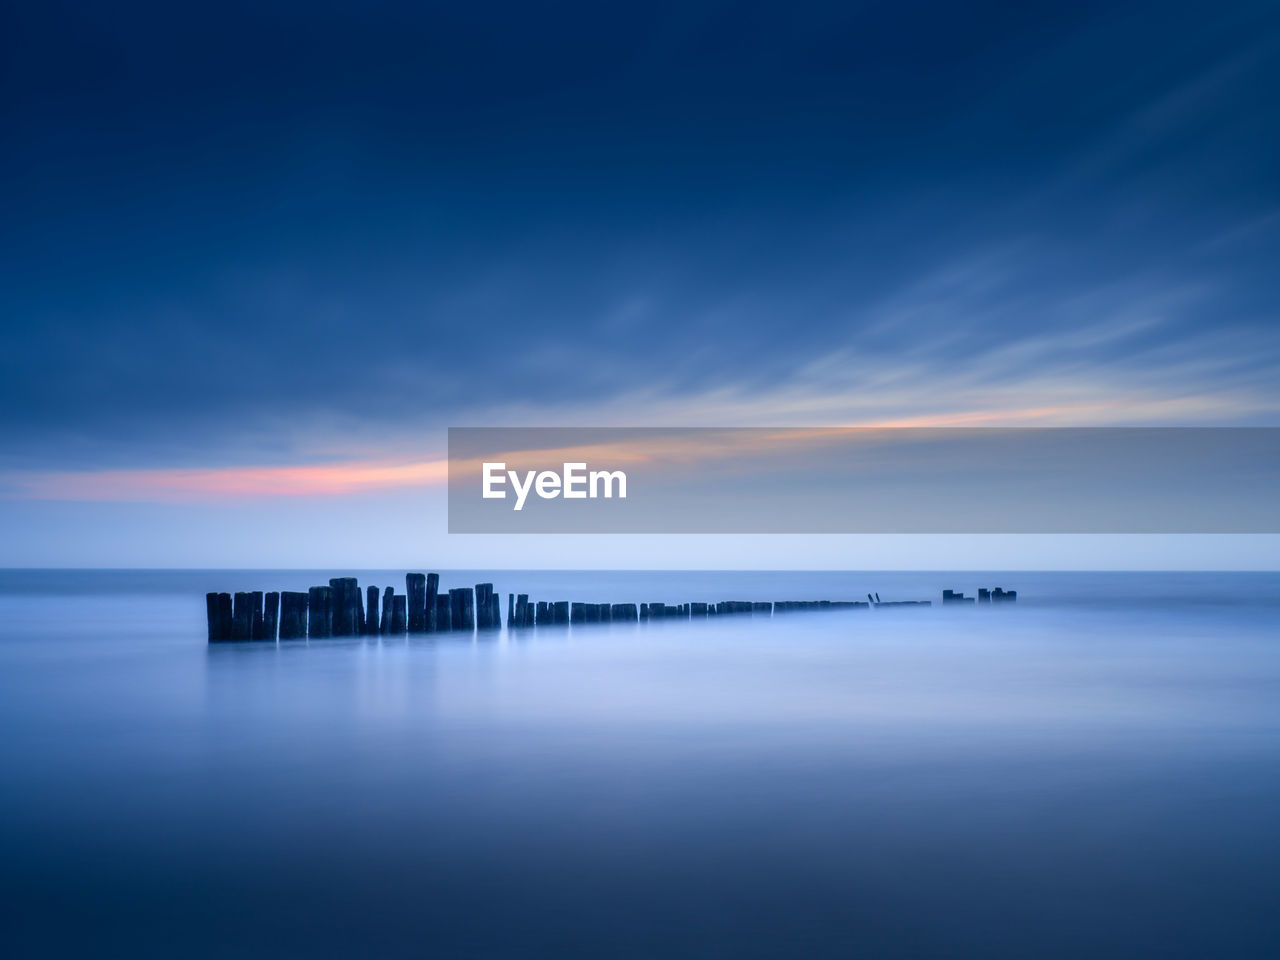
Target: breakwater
{"x": 342, "y": 609}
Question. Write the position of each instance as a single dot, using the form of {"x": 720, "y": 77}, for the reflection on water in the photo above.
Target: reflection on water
{"x": 1091, "y": 772}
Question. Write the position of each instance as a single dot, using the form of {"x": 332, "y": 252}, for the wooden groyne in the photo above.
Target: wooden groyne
{"x": 342, "y": 610}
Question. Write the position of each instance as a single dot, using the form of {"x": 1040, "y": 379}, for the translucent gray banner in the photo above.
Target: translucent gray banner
{"x": 864, "y": 480}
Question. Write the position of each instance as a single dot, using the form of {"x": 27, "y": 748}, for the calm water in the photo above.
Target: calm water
{"x": 1094, "y": 772}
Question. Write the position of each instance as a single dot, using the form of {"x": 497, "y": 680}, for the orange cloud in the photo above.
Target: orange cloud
{"x": 205, "y": 483}
{"x": 363, "y": 476}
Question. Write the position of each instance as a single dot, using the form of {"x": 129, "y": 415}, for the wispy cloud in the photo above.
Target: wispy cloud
{"x": 223, "y": 483}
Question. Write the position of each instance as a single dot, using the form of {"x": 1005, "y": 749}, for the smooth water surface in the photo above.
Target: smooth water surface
{"x": 1094, "y": 771}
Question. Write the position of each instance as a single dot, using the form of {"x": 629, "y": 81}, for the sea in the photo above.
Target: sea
{"x": 1092, "y": 771}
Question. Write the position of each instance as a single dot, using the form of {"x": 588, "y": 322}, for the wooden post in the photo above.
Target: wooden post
{"x": 355, "y": 606}
{"x": 320, "y": 612}
{"x": 371, "y": 624}
{"x": 455, "y": 608}
{"x": 560, "y": 611}
{"x": 431, "y": 604}
{"x": 293, "y": 615}
{"x": 384, "y": 624}
{"x": 444, "y": 612}
{"x": 256, "y": 626}
{"x": 219, "y": 609}
{"x": 415, "y": 586}
{"x": 481, "y": 606}
{"x": 337, "y": 607}
{"x": 468, "y": 609}
{"x": 242, "y": 617}
{"x": 345, "y": 606}
{"x": 399, "y": 619}
{"x": 271, "y": 616}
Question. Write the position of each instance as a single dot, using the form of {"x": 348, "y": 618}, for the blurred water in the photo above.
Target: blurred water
{"x": 1089, "y": 772}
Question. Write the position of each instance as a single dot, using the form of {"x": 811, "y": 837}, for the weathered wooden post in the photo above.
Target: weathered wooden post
{"x": 384, "y": 624}
{"x": 337, "y": 607}
{"x": 444, "y": 612}
{"x": 415, "y": 586}
{"x": 468, "y": 610}
{"x": 256, "y": 626}
{"x": 345, "y": 606}
{"x": 399, "y": 617}
{"x": 355, "y": 606}
{"x": 293, "y": 615}
{"x": 320, "y": 612}
{"x": 484, "y": 606}
{"x": 219, "y": 609}
{"x": 455, "y": 607}
{"x": 430, "y": 602}
{"x": 271, "y": 616}
{"x": 577, "y": 612}
{"x": 371, "y": 623}
{"x": 242, "y": 617}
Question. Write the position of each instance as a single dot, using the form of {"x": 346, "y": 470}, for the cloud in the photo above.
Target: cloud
{"x": 223, "y": 483}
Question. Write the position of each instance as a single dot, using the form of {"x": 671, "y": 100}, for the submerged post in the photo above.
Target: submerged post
{"x": 319, "y": 612}
{"x": 484, "y": 606}
{"x": 432, "y": 605}
{"x": 257, "y": 628}
{"x": 371, "y": 624}
{"x": 270, "y": 616}
{"x": 242, "y": 617}
{"x": 293, "y": 615}
{"x": 345, "y": 607}
{"x": 415, "y": 586}
{"x": 384, "y": 625}
{"x": 219, "y": 610}
{"x": 468, "y": 610}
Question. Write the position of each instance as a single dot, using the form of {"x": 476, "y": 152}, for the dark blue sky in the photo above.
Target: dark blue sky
{"x": 276, "y": 233}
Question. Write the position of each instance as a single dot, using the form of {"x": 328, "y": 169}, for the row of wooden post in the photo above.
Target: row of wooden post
{"x": 340, "y": 610}
{"x": 996, "y": 595}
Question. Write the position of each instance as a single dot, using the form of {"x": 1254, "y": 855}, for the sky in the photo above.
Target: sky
{"x": 256, "y": 258}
